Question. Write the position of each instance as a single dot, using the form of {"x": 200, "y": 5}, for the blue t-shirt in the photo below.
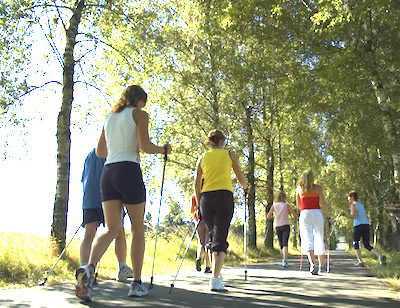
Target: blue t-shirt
{"x": 91, "y": 176}
{"x": 361, "y": 218}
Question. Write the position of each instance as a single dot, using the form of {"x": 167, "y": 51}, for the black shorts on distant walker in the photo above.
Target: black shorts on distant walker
{"x": 93, "y": 215}
{"x": 123, "y": 181}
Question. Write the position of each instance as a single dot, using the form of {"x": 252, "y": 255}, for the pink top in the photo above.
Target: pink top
{"x": 281, "y": 214}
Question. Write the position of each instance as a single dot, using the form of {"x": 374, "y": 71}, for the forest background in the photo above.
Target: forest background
{"x": 293, "y": 84}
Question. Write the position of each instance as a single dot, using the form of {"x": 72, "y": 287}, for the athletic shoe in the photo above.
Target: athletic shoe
{"x": 321, "y": 269}
{"x": 124, "y": 273}
{"x": 314, "y": 270}
{"x": 382, "y": 260}
{"x": 207, "y": 270}
{"x": 198, "y": 265}
{"x": 216, "y": 285}
{"x": 359, "y": 264}
{"x": 137, "y": 289}
{"x": 84, "y": 282}
{"x": 285, "y": 263}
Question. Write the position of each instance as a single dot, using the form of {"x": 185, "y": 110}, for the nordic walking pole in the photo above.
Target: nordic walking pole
{"x": 329, "y": 245}
{"x": 41, "y": 283}
{"x": 158, "y": 219}
{"x": 245, "y": 235}
{"x": 183, "y": 241}
{"x": 301, "y": 261}
{"x": 184, "y": 254}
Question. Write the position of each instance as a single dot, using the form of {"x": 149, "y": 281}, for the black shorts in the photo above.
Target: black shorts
{"x": 217, "y": 210}
{"x": 123, "y": 181}
{"x": 361, "y": 231}
{"x": 93, "y": 215}
{"x": 283, "y": 235}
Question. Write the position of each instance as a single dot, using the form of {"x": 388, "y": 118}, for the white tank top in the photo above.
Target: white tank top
{"x": 281, "y": 212}
{"x": 121, "y": 138}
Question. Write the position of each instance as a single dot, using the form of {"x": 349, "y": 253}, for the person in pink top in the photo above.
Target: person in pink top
{"x": 282, "y": 227}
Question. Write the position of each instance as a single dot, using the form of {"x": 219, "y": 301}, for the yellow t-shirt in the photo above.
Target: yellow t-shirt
{"x": 216, "y": 165}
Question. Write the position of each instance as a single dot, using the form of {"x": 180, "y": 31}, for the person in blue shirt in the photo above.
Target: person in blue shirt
{"x": 361, "y": 228}
{"x": 93, "y": 215}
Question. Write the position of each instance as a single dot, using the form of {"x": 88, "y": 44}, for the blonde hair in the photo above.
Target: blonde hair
{"x": 306, "y": 180}
{"x": 214, "y": 138}
{"x": 130, "y": 97}
{"x": 280, "y": 197}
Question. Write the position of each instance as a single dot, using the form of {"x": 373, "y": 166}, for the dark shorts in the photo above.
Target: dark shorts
{"x": 283, "y": 235}
{"x": 361, "y": 231}
{"x": 217, "y": 210}
{"x": 93, "y": 215}
{"x": 123, "y": 181}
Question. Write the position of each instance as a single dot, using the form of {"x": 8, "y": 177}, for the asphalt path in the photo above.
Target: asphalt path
{"x": 267, "y": 285}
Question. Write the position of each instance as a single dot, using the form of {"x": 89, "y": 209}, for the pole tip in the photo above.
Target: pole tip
{"x": 170, "y": 289}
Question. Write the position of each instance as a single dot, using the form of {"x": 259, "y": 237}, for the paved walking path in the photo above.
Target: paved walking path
{"x": 267, "y": 285}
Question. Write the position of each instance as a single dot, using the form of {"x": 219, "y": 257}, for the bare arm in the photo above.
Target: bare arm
{"x": 142, "y": 122}
{"x": 197, "y": 181}
{"x": 322, "y": 200}
{"x": 291, "y": 210}
{"x": 298, "y": 201}
{"x": 238, "y": 172}
{"x": 101, "y": 150}
{"x": 269, "y": 216}
{"x": 353, "y": 214}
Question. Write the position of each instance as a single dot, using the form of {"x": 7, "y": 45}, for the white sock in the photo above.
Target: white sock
{"x": 84, "y": 263}
{"x": 121, "y": 265}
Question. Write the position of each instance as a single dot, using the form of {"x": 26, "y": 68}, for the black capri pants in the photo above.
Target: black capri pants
{"x": 283, "y": 235}
{"x": 123, "y": 181}
{"x": 217, "y": 211}
{"x": 361, "y": 231}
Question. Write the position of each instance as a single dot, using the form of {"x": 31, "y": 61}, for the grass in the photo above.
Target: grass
{"x": 26, "y": 259}
{"x": 390, "y": 272}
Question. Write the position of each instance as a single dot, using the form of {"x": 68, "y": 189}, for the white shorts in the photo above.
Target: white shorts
{"x": 312, "y": 231}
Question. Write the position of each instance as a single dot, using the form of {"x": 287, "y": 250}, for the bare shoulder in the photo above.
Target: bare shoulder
{"x": 318, "y": 188}
{"x": 139, "y": 115}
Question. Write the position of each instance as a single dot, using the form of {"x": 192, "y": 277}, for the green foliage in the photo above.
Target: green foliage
{"x": 175, "y": 215}
{"x": 292, "y": 83}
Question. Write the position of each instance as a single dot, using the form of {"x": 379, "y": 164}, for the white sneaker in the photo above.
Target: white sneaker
{"x": 216, "y": 285}
{"x": 313, "y": 270}
{"x": 84, "y": 282}
{"x": 124, "y": 273}
{"x": 284, "y": 263}
{"x": 137, "y": 289}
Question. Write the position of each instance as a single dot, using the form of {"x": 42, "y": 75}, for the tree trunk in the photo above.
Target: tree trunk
{"x": 60, "y": 211}
{"x": 371, "y": 66}
{"x": 395, "y": 233}
{"x": 252, "y": 234}
{"x": 269, "y": 234}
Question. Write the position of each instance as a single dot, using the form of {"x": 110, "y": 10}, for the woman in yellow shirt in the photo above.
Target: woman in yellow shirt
{"x": 215, "y": 198}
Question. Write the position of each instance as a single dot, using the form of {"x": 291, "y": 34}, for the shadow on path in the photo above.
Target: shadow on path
{"x": 267, "y": 285}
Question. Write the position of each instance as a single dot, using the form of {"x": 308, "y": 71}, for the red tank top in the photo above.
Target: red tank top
{"x": 196, "y": 217}
{"x": 309, "y": 200}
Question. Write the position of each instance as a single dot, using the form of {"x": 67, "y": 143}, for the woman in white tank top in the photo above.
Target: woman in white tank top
{"x": 125, "y": 131}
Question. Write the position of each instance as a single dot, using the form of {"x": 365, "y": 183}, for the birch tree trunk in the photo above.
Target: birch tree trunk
{"x": 383, "y": 99}
{"x": 60, "y": 211}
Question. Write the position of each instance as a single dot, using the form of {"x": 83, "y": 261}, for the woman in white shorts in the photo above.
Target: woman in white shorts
{"x": 309, "y": 197}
